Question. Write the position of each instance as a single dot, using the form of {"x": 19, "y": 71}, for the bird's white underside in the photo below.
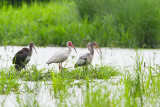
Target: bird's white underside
{"x": 27, "y": 59}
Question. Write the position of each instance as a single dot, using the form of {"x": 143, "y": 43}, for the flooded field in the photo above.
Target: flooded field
{"x": 63, "y": 90}
{"x": 110, "y": 56}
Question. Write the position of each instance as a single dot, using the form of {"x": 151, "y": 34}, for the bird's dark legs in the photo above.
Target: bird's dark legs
{"x": 60, "y": 67}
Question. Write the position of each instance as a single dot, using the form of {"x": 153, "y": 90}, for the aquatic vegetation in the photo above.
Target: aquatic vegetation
{"x": 96, "y": 86}
{"x": 97, "y": 72}
{"x": 59, "y": 85}
{"x": 8, "y": 83}
{"x": 109, "y": 23}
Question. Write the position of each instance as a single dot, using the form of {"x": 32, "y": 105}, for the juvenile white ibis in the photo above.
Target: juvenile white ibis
{"x": 22, "y": 57}
{"x": 61, "y": 56}
{"x": 86, "y": 59}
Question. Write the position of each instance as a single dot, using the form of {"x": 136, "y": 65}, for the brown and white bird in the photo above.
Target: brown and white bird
{"x": 86, "y": 59}
{"x": 22, "y": 57}
{"x": 61, "y": 56}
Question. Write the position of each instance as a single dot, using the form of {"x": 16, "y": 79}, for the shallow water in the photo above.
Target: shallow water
{"x": 45, "y": 98}
{"x": 114, "y": 57}
{"x": 110, "y": 56}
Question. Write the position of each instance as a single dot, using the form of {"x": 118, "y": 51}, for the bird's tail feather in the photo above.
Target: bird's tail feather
{"x": 17, "y": 68}
{"x": 48, "y": 63}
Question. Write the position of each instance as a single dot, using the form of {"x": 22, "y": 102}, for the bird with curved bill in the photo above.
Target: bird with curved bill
{"x": 61, "y": 56}
{"x": 22, "y": 57}
{"x": 86, "y": 59}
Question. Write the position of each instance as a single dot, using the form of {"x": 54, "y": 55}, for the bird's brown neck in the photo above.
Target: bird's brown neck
{"x": 92, "y": 50}
{"x": 30, "y": 50}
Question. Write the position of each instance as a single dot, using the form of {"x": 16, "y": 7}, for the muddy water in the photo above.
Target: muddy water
{"x": 114, "y": 57}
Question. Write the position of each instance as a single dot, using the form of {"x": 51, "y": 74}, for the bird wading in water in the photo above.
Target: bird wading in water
{"x": 22, "y": 57}
{"x": 86, "y": 59}
{"x": 61, "y": 56}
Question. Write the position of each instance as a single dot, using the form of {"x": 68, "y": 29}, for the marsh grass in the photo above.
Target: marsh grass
{"x": 97, "y": 72}
{"x": 108, "y": 22}
{"x": 8, "y": 83}
{"x": 61, "y": 81}
{"x": 136, "y": 86}
{"x": 40, "y": 22}
{"x": 141, "y": 85}
{"x": 131, "y": 22}
{"x": 29, "y": 101}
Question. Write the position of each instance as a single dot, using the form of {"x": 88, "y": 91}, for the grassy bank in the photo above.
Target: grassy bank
{"x": 109, "y": 23}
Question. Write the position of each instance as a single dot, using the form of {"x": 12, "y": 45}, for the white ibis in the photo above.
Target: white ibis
{"x": 61, "y": 56}
{"x": 86, "y": 59}
{"x": 22, "y": 57}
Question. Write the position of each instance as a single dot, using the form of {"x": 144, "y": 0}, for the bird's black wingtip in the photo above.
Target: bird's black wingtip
{"x": 48, "y": 63}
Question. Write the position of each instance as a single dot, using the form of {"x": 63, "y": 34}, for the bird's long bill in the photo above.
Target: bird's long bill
{"x": 74, "y": 48}
{"x": 96, "y": 49}
{"x": 35, "y": 49}
{"x": 99, "y": 49}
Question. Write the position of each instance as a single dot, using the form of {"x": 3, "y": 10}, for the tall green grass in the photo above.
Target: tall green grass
{"x": 41, "y": 24}
{"x": 18, "y": 3}
{"x": 141, "y": 86}
{"x": 133, "y": 22}
{"x": 108, "y": 22}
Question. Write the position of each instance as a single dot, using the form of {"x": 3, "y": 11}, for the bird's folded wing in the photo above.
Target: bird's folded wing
{"x": 19, "y": 57}
{"x": 82, "y": 60}
{"x": 58, "y": 57}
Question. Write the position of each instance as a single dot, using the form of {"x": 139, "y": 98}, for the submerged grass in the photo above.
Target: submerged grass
{"x": 8, "y": 83}
{"x": 33, "y": 74}
{"x": 97, "y": 72}
{"x": 141, "y": 85}
{"x": 9, "y": 79}
{"x": 137, "y": 86}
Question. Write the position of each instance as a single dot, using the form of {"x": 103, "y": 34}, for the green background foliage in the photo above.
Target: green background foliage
{"x": 112, "y": 23}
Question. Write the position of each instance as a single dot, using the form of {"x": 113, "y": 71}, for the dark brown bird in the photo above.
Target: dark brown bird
{"x": 22, "y": 57}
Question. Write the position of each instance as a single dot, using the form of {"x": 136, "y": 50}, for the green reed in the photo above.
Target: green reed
{"x": 108, "y": 22}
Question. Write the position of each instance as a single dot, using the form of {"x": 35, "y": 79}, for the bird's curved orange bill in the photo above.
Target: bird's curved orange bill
{"x": 74, "y": 48}
{"x": 96, "y": 49}
{"x": 99, "y": 49}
